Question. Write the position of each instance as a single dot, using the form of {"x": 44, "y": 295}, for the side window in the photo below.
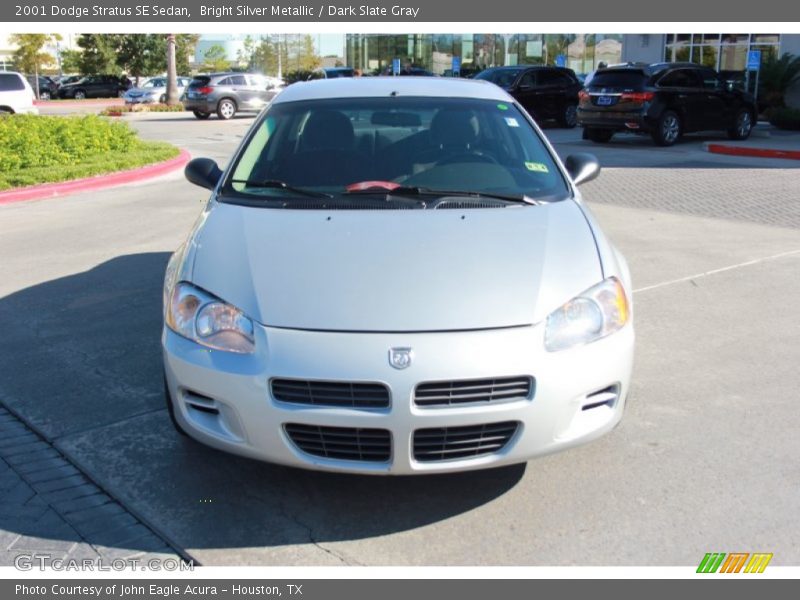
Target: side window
{"x": 238, "y": 80}
{"x": 528, "y": 79}
{"x": 680, "y": 78}
{"x": 548, "y": 77}
{"x": 710, "y": 80}
{"x": 10, "y": 83}
{"x": 226, "y": 81}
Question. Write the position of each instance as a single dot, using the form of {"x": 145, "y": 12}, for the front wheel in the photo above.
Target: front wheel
{"x": 742, "y": 125}
{"x": 668, "y": 129}
{"x": 598, "y": 136}
{"x": 80, "y": 95}
{"x": 569, "y": 116}
{"x": 163, "y": 99}
{"x": 200, "y": 114}
{"x": 44, "y": 96}
{"x": 226, "y": 109}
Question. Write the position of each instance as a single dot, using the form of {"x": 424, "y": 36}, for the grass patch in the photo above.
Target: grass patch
{"x": 139, "y": 155}
{"x": 111, "y": 111}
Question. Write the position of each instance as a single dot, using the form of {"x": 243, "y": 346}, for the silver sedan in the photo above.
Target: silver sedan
{"x": 396, "y": 276}
{"x": 153, "y": 90}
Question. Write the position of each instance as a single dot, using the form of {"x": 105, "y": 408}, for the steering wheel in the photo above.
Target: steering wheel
{"x": 467, "y": 157}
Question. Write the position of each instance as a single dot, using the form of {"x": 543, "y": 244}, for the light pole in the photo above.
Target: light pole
{"x": 172, "y": 75}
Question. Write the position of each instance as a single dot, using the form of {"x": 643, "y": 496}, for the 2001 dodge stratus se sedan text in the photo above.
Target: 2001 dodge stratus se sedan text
{"x": 396, "y": 275}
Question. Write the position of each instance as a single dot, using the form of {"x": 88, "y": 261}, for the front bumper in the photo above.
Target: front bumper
{"x": 249, "y": 422}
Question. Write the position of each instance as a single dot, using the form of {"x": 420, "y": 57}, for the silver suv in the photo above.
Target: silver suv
{"x": 228, "y": 93}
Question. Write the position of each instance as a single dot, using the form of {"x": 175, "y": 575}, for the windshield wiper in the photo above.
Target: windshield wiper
{"x": 422, "y": 191}
{"x": 281, "y": 185}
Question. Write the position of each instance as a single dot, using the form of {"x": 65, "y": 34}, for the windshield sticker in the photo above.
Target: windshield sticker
{"x": 538, "y": 167}
{"x": 502, "y": 106}
{"x": 512, "y": 122}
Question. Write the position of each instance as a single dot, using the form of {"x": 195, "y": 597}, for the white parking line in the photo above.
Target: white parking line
{"x": 720, "y": 270}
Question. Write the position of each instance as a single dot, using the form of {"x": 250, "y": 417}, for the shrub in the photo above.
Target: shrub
{"x": 784, "y": 118}
{"x": 134, "y": 108}
{"x": 45, "y": 141}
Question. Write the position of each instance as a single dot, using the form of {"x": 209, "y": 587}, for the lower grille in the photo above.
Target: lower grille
{"x": 465, "y": 391}
{"x": 331, "y": 393}
{"x": 446, "y": 443}
{"x": 344, "y": 443}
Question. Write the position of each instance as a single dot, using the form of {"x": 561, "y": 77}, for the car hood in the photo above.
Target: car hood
{"x": 396, "y": 270}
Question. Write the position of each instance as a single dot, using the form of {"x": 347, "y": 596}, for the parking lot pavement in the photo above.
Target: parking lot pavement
{"x": 52, "y": 512}
{"x": 705, "y": 457}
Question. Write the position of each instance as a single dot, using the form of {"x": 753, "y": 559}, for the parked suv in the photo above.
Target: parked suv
{"x": 47, "y": 88}
{"x": 545, "y": 92}
{"x": 16, "y": 95}
{"x": 664, "y": 100}
{"x": 95, "y": 86}
{"x": 228, "y": 93}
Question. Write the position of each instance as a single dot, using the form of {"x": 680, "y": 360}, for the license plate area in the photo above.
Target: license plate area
{"x": 606, "y": 100}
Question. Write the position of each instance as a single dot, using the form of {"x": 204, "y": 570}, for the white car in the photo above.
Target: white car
{"x": 16, "y": 94}
{"x": 396, "y": 276}
{"x": 153, "y": 90}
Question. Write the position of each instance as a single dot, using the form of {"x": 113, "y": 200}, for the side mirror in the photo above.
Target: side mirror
{"x": 203, "y": 172}
{"x": 582, "y": 167}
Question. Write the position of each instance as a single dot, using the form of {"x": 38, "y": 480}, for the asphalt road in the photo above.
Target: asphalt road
{"x": 706, "y": 458}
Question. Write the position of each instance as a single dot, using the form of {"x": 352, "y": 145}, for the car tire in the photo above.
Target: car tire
{"x": 598, "y": 136}
{"x": 200, "y": 114}
{"x": 171, "y": 410}
{"x": 44, "y": 96}
{"x": 226, "y": 109}
{"x": 742, "y": 125}
{"x": 668, "y": 129}
{"x": 120, "y": 93}
{"x": 569, "y": 116}
{"x": 163, "y": 99}
{"x": 80, "y": 95}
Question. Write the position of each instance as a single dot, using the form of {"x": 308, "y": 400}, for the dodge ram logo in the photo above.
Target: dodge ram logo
{"x": 400, "y": 358}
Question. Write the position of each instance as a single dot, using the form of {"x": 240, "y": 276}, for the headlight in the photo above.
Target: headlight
{"x": 207, "y": 320}
{"x": 594, "y": 314}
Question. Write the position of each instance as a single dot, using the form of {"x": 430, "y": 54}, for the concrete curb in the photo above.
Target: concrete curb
{"x": 64, "y": 188}
{"x": 751, "y": 151}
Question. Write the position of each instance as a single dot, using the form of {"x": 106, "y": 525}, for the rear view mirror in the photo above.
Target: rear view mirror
{"x": 203, "y": 172}
{"x": 582, "y": 167}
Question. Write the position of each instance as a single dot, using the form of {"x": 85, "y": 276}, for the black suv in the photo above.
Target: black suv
{"x": 47, "y": 88}
{"x": 95, "y": 86}
{"x": 664, "y": 100}
{"x": 545, "y": 92}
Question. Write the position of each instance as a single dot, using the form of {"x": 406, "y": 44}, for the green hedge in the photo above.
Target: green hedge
{"x": 48, "y": 141}
{"x": 784, "y": 118}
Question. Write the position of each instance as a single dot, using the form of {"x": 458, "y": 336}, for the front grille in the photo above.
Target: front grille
{"x": 447, "y": 443}
{"x": 344, "y": 443}
{"x": 446, "y": 393}
{"x": 331, "y": 393}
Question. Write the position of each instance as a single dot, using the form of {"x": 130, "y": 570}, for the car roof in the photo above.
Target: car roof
{"x": 376, "y": 87}
{"x": 653, "y": 68}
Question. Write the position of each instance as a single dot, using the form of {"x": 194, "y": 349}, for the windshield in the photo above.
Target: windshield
{"x": 155, "y": 83}
{"x": 502, "y": 77}
{"x": 352, "y": 147}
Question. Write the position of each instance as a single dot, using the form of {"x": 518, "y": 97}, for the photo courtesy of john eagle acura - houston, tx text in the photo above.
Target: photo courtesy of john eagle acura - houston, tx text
{"x": 396, "y": 276}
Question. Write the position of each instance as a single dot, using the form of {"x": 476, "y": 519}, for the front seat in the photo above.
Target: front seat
{"x": 326, "y": 154}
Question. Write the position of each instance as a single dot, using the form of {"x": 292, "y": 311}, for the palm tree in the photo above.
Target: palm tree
{"x": 776, "y": 77}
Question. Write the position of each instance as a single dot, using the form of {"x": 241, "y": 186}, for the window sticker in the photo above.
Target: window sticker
{"x": 502, "y": 106}
{"x": 512, "y": 122}
{"x": 538, "y": 167}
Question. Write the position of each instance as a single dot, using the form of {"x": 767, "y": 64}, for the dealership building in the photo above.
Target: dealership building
{"x": 579, "y": 51}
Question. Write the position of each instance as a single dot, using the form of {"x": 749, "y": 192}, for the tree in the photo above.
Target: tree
{"x": 172, "y": 77}
{"x": 185, "y": 44}
{"x": 70, "y": 61}
{"x": 141, "y": 54}
{"x": 99, "y": 53}
{"x": 29, "y": 57}
{"x": 306, "y": 55}
{"x": 776, "y": 77}
{"x": 214, "y": 59}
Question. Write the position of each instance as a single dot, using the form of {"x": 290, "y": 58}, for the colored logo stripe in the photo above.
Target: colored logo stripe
{"x": 734, "y": 562}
